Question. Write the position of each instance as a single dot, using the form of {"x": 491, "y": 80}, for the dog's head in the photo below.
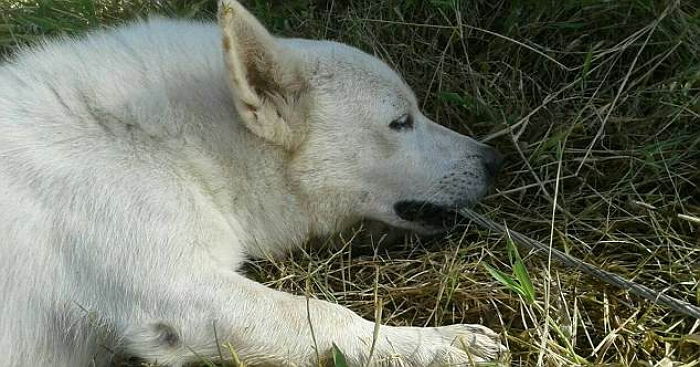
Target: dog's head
{"x": 358, "y": 143}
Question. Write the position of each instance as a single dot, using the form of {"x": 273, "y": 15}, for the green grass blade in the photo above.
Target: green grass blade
{"x": 520, "y": 272}
{"x": 505, "y": 279}
{"x": 338, "y": 357}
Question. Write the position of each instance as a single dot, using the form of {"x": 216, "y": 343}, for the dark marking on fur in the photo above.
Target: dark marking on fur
{"x": 60, "y": 100}
{"x": 115, "y": 125}
{"x": 166, "y": 335}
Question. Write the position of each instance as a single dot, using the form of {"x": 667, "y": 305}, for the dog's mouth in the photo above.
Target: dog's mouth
{"x": 426, "y": 213}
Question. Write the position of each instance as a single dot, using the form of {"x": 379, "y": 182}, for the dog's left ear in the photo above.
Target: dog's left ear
{"x": 267, "y": 81}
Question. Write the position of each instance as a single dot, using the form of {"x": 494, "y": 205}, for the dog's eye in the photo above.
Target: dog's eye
{"x": 402, "y": 123}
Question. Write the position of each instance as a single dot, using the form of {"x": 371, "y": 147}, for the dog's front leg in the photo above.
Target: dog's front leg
{"x": 264, "y": 326}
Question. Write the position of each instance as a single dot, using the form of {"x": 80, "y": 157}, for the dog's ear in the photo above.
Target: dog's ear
{"x": 267, "y": 80}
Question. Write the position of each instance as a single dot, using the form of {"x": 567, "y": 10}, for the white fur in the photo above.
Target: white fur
{"x": 134, "y": 182}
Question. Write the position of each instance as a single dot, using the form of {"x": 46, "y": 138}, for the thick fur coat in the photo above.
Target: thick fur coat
{"x": 140, "y": 166}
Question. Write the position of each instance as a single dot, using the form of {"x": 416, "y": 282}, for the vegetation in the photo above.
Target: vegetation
{"x": 595, "y": 104}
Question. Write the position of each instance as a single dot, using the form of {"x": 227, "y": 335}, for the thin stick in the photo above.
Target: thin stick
{"x": 608, "y": 277}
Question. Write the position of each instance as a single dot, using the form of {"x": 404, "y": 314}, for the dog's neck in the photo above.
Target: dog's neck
{"x": 304, "y": 215}
{"x": 268, "y": 208}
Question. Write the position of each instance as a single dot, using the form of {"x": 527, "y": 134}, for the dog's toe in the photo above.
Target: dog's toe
{"x": 479, "y": 343}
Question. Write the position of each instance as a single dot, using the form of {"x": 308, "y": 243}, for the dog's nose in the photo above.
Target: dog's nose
{"x": 492, "y": 159}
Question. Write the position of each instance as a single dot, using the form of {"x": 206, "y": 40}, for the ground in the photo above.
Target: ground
{"x": 595, "y": 104}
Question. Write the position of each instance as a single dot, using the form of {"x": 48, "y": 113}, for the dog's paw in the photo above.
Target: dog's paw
{"x": 467, "y": 344}
{"x": 455, "y": 345}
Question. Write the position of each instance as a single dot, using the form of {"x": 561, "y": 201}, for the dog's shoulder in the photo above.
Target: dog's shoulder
{"x": 148, "y": 38}
{"x": 135, "y": 73}
{"x": 133, "y": 54}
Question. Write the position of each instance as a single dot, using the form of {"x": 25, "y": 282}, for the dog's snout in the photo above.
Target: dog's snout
{"x": 492, "y": 160}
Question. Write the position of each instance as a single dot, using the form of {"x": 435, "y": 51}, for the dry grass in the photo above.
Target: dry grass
{"x": 596, "y": 105}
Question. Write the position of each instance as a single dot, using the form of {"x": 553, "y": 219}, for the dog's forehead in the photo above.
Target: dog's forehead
{"x": 341, "y": 66}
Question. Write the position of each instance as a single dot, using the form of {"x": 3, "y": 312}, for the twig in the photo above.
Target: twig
{"x": 608, "y": 277}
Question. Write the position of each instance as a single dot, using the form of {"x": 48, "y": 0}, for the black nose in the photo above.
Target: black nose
{"x": 492, "y": 159}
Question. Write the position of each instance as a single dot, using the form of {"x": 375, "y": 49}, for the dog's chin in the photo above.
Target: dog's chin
{"x": 426, "y": 217}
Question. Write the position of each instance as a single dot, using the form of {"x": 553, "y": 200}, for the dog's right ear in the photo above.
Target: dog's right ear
{"x": 267, "y": 81}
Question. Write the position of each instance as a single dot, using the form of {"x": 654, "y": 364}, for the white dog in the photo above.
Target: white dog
{"x": 140, "y": 166}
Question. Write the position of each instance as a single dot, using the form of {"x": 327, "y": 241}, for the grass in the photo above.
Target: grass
{"x": 596, "y": 104}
